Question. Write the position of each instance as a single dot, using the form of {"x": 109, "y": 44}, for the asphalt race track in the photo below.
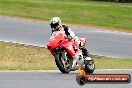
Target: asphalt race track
{"x": 53, "y": 80}
{"x": 100, "y": 42}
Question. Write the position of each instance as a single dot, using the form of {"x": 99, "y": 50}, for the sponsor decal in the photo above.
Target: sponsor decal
{"x": 83, "y": 78}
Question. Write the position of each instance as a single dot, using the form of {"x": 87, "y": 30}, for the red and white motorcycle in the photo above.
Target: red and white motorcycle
{"x": 64, "y": 49}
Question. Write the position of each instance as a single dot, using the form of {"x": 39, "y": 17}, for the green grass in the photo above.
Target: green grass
{"x": 22, "y": 57}
{"x": 102, "y": 62}
{"x": 106, "y": 14}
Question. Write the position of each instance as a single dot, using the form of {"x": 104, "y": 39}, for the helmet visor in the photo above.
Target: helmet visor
{"x": 54, "y": 25}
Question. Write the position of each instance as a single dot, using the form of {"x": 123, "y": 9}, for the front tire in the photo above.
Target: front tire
{"x": 63, "y": 66}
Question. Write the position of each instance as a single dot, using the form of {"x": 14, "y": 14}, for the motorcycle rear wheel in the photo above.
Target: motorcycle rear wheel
{"x": 89, "y": 66}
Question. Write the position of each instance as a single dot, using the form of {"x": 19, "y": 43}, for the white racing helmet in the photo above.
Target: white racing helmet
{"x": 55, "y": 23}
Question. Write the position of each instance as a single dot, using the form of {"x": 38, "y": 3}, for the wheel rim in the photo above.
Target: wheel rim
{"x": 91, "y": 65}
{"x": 65, "y": 60}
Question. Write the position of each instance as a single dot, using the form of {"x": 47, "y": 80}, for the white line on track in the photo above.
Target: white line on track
{"x": 24, "y": 19}
{"x": 59, "y": 71}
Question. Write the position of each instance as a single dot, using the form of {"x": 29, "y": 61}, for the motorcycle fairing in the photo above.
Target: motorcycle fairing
{"x": 70, "y": 47}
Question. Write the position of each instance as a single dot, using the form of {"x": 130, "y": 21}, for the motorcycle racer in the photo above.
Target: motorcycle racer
{"x": 58, "y": 28}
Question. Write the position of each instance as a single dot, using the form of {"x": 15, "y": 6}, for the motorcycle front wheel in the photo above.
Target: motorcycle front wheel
{"x": 62, "y": 61}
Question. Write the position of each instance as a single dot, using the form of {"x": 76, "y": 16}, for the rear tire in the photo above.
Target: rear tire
{"x": 59, "y": 63}
{"x": 89, "y": 66}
